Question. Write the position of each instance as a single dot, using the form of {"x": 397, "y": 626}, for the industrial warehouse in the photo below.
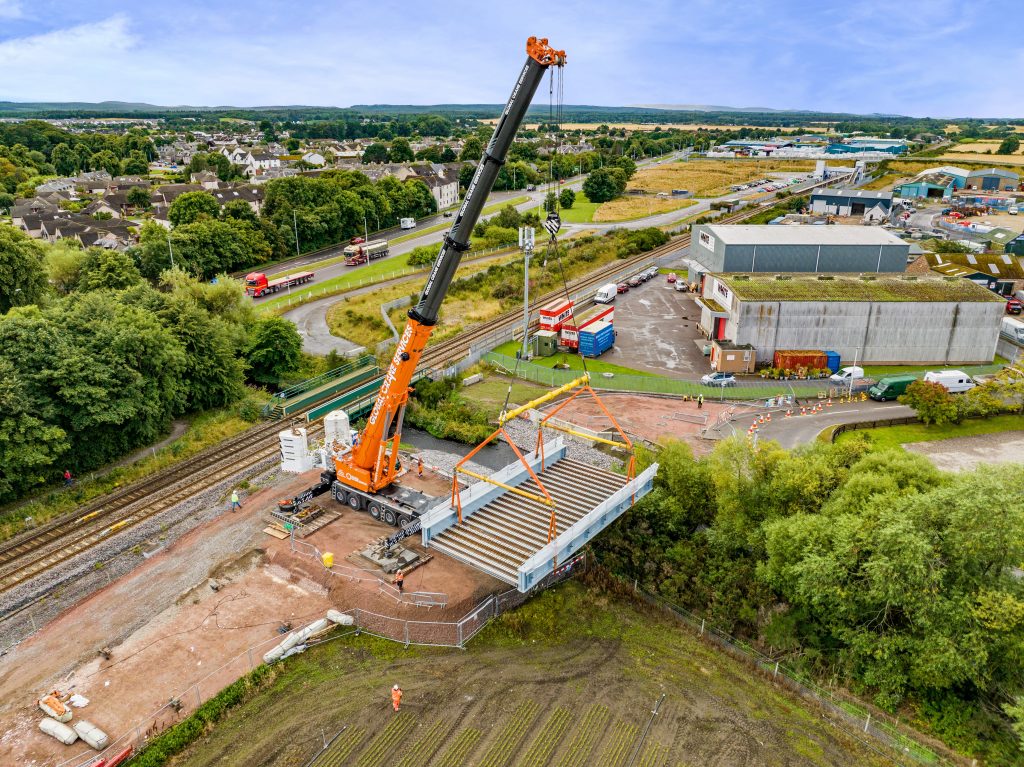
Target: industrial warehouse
{"x": 879, "y": 320}
{"x": 740, "y": 248}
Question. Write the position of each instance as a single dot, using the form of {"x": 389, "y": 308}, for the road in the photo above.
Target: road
{"x": 799, "y": 430}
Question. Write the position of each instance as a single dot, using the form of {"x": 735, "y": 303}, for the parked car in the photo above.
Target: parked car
{"x": 1013, "y": 306}
{"x": 652, "y": 272}
{"x": 447, "y": 214}
{"x": 635, "y": 281}
{"x": 718, "y": 379}
{"x": 622, "y": 287}
{"x": 672, "y": 277}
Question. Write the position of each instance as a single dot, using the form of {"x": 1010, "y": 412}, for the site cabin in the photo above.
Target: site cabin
{"x": 257, "y": 284}
{"x": 362, "y": 253}
{"x": 553, "y": 315}
{"x": 569, "y": 335}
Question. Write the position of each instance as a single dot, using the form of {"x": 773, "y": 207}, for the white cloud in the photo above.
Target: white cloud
{"x": 54, "y": 65}
{"x": 10, "y": 9}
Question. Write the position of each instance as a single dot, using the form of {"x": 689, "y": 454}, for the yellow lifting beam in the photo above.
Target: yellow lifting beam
{"x": 516, "y": 490}
{"x": 508, "y": 416}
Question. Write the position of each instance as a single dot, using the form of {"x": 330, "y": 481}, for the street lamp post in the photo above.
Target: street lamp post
{"x": 295, "y": 225}
{"x": 856, "y": 352}
{"x": 170, "y": 249}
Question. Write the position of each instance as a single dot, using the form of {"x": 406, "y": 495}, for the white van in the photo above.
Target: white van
{"x": 955, "y": 381}
{"x": 1012, "y": 329}
{"x": 606, "y": 293}
{"x": 407, "y": 223}
{"x": 847, "y": 375}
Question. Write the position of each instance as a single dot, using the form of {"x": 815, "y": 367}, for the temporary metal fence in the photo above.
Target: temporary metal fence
{"x": 903, "y": 746}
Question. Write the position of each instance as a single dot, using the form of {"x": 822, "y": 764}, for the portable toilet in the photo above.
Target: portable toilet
{"x": 545, "y": 343}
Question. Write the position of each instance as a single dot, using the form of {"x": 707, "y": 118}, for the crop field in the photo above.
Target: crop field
{"x": 567, "y": 680}
{"x": 711, "y": 178}
{"x": 979, "y": 147}
{"x": 989, "y": 160}
{"x": 628, "y": 208}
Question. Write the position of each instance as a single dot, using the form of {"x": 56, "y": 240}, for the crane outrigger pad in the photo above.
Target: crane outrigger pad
{"x": 506, "y": 524}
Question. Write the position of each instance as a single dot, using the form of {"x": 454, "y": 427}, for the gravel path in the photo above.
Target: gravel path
{"x": 966, "y": 453}
{"x": 31, "y": 605}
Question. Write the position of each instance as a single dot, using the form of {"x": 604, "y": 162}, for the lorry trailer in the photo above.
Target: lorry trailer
{"x": 257, "y": 284}
{"x": 364, "y": 252}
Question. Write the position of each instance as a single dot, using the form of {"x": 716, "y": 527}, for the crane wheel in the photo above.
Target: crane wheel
{"x": 354, "y": 502}
{"x": 403, "y": 520}
{"x": 374, "y": 510}
{"x": 339, "y": 493}
{"x": 390, "y": 517}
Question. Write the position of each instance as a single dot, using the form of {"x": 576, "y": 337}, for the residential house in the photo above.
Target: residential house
{"x": 56, "y": 185}
{"x": 124, "y": 183}
{"x": 93, "y": 181}
{"x": 314, "y": 158}
{"x": 443, "y": 184}
{"x": 100, "y": 206}
{"x": 164, "y": 195}
{"x": 206, "y": 179}
{"x": 250, "y": 194}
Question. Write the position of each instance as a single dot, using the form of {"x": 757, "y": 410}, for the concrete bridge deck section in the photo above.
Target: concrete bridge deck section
{"x": 506, "y": 535}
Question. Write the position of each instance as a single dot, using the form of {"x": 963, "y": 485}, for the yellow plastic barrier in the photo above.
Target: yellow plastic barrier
{"x": 328, "y": 559}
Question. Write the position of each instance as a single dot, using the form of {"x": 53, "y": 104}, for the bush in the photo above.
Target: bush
{"x": 424, "y": 255}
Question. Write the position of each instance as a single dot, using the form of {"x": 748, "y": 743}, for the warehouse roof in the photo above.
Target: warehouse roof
{"x": 1000, "y": 236}
{"x": 748, "y": 234}
{"x": 994, "y": 172}
{"x": 853, "y": 287}
{"x": 863, "y": 194}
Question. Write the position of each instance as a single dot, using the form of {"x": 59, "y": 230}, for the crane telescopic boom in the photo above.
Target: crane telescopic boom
{"x": 371, "y": 466}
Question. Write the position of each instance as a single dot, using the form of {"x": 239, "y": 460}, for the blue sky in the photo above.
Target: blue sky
{"x": 917, "y": 57}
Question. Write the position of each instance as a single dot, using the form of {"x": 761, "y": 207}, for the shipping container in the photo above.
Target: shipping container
{"x": 553, "y": 314}
{"x": 597, "y": 339}
{"x": 570, "y": 328}
{"x": 800, "y": 358}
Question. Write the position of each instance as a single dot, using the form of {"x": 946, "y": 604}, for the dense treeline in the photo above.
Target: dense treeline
{"x": 97, "y": 361}
{"x": 870, "y": 567}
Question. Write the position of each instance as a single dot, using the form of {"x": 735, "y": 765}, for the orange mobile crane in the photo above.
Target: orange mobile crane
{"x": 363, "y": 477}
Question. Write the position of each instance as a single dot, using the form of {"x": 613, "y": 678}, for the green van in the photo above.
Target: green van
{"x": 890, "y": 387}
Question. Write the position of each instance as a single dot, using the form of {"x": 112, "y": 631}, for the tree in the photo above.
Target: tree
{"x": 472, "y": 149}
{"x": 103, "y": 269}
{"x": 191, "y": 206}
{"x": 932, "y": 403}
{"x": 29, "y": 448}
{"x": 550, "y": 202}
{"x": 65, "y": 160}
{"x": 447, "y": 154}
{"x": 466, "y": 173}
{"x": 274, "y": 349}
{"x": 1009, "y": 145}
{"x": 374, "y": 153}
{"x": 22, "y": 269}
{"x": 400, "y": 151}
{"x": 239, "y": 210}
{"x": 106, "y": 160}
{"x": 213, "y": 161}
{"x": 293, "y": 144}
{"x": 6, "y": 202}
{"x": 602, "y": 185}
{"x": 139, "y": 197}
{"x": 567, "y": 198}
{"x": 135, "y": 164}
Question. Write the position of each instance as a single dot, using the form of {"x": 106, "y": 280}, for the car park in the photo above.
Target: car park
{"x": 718, "y": 379}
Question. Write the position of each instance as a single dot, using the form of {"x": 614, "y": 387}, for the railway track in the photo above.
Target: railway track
{"x": 55, "y": 542}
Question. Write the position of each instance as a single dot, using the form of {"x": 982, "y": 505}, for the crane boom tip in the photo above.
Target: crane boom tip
{"x": 539, "y": 50}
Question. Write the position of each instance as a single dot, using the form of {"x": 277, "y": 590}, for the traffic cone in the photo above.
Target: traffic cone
{"x": 789, "y": 412}
{"x": 803, "y": 410}
{"x": 768, "y": 417}
{"x": 829, "y": 402}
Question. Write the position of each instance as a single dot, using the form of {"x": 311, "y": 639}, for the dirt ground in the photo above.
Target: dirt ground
{"x": 656, "y": 331}
{"x": 570, "y": 678}
{"x": 168, "y": 629}
{"x": 647, "y": 417}
{"x": 965, "y": 453}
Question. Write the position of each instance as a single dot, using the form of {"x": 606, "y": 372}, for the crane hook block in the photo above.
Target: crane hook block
{"x": 544, "y": 54}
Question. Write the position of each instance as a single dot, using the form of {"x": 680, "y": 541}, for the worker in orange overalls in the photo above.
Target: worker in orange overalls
{"x": 419, "y": 467}
{"x": 400, "y": 581}
{"x": 396, "y": 696}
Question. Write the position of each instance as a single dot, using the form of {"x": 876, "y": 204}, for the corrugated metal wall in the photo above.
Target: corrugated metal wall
{"x": 890, "y": 332}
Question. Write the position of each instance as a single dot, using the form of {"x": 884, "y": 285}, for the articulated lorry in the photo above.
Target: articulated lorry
{"x": 257, "y": 284}
{"x": 364, "y": 252}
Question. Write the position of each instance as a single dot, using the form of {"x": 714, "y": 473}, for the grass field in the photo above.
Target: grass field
{"x": 710, "y": 178}
{"x": 884, "y": 181}
{"x": 489, "y": 210}
{"x": 894, "y": 436}
{"x": 569, "y": 679}
{"x": 574, "y": 362}
{"x": 629, "y": 208}
{"x": 989, "y": 160}
{"x": 491, "y": 392}
{"x": 581, "y": 212}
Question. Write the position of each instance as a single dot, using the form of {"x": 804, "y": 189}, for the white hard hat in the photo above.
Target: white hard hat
{"x": 395, "y": 687}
